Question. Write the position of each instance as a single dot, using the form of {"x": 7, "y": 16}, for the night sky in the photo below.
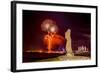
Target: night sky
{"x": 79, "y": 23}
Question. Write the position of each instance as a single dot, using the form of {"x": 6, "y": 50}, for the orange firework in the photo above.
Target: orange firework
{"x": 51, "y": 40}
{"x": 49, "y": 26}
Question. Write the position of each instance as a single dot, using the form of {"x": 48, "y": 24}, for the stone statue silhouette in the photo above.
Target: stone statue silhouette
{"x": 68, "y": 43}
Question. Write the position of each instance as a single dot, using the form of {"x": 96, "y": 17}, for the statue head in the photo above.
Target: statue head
{"x": 68, "y": 33}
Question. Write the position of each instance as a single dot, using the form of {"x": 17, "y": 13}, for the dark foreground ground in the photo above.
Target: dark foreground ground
{"x": 42, "y": 57}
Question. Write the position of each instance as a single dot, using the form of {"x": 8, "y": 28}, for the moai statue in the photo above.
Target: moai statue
{"x": 68, "y": 43}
